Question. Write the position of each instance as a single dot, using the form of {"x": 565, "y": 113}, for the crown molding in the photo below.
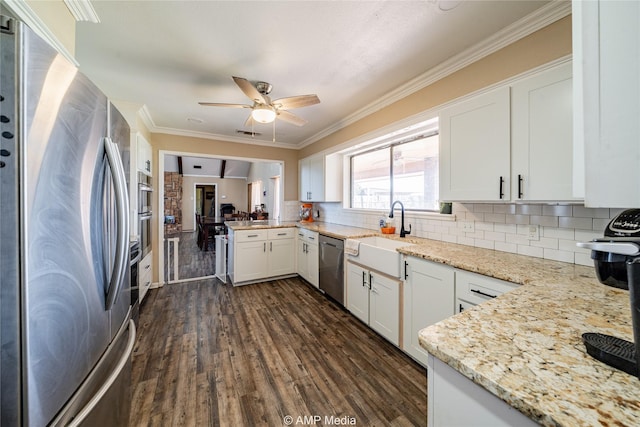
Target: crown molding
{"x": 531, "y": 23}
{"x": 24, "y": 12}
{"x": 82, "y": 10}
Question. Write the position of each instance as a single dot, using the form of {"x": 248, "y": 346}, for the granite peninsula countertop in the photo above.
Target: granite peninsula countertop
{"x": 526, "y": 346}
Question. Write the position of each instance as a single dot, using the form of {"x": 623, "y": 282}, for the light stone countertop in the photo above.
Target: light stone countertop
{"x": 526, "y": 345}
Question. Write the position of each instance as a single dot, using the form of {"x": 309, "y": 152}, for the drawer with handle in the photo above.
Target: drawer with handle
{"x": 475, "y": 288}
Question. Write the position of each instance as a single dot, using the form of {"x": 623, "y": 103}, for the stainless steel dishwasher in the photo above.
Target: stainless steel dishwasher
{"x": 332, "y": 267}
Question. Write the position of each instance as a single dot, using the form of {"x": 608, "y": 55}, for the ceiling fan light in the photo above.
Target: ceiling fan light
{"x": 263, "y": 114}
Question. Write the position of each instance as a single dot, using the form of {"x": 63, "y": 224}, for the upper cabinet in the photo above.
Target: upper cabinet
{"x": 474, "y": 148}
{"x": 542, "y": 135}
{"x": 321, "y": 178}
{"x": 606, "y": 49}
{"x": 144, "y": 153}
{"x": 511, "y": 144}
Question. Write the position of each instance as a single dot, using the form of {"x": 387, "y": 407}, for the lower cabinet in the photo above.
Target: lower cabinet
{"x": 448, "y": 391}
{"x": 308, "y": 265}
{"x": 261, "y": 254}
{"x": 429, "y": 297}
{"x": 375, "y": 299}
{"x": 145, "y": 275}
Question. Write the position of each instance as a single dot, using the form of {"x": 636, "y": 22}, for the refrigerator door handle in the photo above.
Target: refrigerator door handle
{"x": 80, "y": 417}
{"x": 121, "y": 262}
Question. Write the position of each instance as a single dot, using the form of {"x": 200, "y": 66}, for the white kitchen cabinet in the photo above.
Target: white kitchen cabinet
{"x": 321, "y": 178}
{"x": 307, "y": 259}
{"x": 474, "y": 148}
{"x": 429, "y": 297}
{"x": 375, "y": 299}
{"x": 542, "y": 136}
{"x": 455, "y": 400}
{"x": 144, "y": 155}
{"x": 261, "y": 254}
{"x": 606, "y": 49}
{"x": 473, "y": 289}
{"x": 281, "y": 251}
{"x": 145, "y": 275}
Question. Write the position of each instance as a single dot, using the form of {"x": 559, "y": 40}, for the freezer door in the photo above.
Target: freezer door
{"x": 66, "y": 328}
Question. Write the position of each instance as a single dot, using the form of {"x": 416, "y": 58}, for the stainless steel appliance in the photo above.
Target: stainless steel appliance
{"x": 135, "y": 290}
{"x": 332, "y": 267}
{"x": 145, "y": 192}
{"x": 617, "y": 263}
{"x": 66, "y": 334}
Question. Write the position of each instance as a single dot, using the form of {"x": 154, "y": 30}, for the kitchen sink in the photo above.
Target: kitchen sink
{"x": 379, "y": 253}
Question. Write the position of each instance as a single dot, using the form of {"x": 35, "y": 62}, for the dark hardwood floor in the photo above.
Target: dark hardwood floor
{"x": 209, "y": 354}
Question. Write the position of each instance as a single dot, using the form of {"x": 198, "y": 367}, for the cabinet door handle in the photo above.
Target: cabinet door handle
{"x": 484, "y": 294}
{"x": 363, "y": 273}
{"x": 501, "y": 188}
{"x": 282, "y": 234}
{"x": 270, "y": 246}
{"x": 520, "y": 179}
{"x": 461, "y": 308}
{"x": 252, "y": 235}
{"x": 264, "y": 247}
{"x": 406, "y": 264}
{"x": 370, "y": 280}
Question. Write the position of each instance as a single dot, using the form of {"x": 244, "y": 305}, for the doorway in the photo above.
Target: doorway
{"x": 206, "y": 200}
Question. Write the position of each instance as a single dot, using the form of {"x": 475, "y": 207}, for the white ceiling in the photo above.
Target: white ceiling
{"x": 169, "y": 55}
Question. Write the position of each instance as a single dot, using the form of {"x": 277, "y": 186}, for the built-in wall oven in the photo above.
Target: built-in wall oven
{"x": 145, "y": 192}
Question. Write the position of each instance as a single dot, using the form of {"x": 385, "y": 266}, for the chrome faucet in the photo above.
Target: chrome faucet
{"x": 403, "y": 232}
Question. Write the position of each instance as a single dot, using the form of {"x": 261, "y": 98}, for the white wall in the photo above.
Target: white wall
{"x": 502, "y": 227}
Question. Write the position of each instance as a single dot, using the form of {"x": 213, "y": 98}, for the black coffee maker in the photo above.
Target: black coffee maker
{"x": 617, "y": 261}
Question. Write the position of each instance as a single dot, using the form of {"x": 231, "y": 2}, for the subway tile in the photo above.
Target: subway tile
{"x": 557, "y": 210}
{"x": 485, "y": 226}
{"x": 529, "y": 209}
{"x": 517, "y": 239}
{"x": 587, "y": 235}
{"x": 449, "y": 238}
{"x": 570, "y": 245}
{"x": 599, "y": 224}
{"x": 504, "y": 209}
{"x": 571, "y": 222}
{"x": 506, "y": 247}
{"x": 505, "y": 228}
{"x": 557, "y": 255}
{"x": 465, "y": 241}
{"x": 531, "y": 251}
{"x": 545, "y": 242}
{"x": 558, "y": 233}
{"x": 481, "y": 243}
{"x": 495, "y": 236}
{"x": 583, "y": 259}
{"x": 582, "y": 212}
{"x": 547, "y": 221}
{"x": 495, "y": 217}
{"x": 517, "y": 219}
{"x": 483, "y": 207}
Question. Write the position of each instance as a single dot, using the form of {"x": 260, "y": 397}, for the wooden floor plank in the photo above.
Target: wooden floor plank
{"x": 210, "y": 354}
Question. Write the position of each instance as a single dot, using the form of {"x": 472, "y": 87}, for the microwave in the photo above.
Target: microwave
{"x": 145, "y": 192}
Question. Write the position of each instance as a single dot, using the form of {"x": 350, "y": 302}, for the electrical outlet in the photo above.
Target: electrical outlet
{"x": 469, "y": 227}
{"x": 533, "y": 232}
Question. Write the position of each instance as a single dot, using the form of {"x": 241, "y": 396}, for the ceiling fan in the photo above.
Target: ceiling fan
{"x": 264, "y": 110}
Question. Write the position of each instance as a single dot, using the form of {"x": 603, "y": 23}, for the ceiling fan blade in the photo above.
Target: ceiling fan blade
{"x": 250, "y": 90}
{"x": 291, "y": 118}
{"x": 296, "y": 102}
{"x": 221, "y": 104}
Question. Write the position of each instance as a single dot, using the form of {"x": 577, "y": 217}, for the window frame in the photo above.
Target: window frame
{"x": 389, "y": 145}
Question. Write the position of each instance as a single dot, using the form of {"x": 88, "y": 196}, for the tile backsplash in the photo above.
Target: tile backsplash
{"x": 537, "y": 230}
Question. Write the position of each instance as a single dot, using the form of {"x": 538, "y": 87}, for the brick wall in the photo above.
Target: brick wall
{"x": 173, "y": 201}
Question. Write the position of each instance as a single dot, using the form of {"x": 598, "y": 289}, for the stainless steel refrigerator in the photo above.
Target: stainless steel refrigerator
{"x": 65, "y": 331}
